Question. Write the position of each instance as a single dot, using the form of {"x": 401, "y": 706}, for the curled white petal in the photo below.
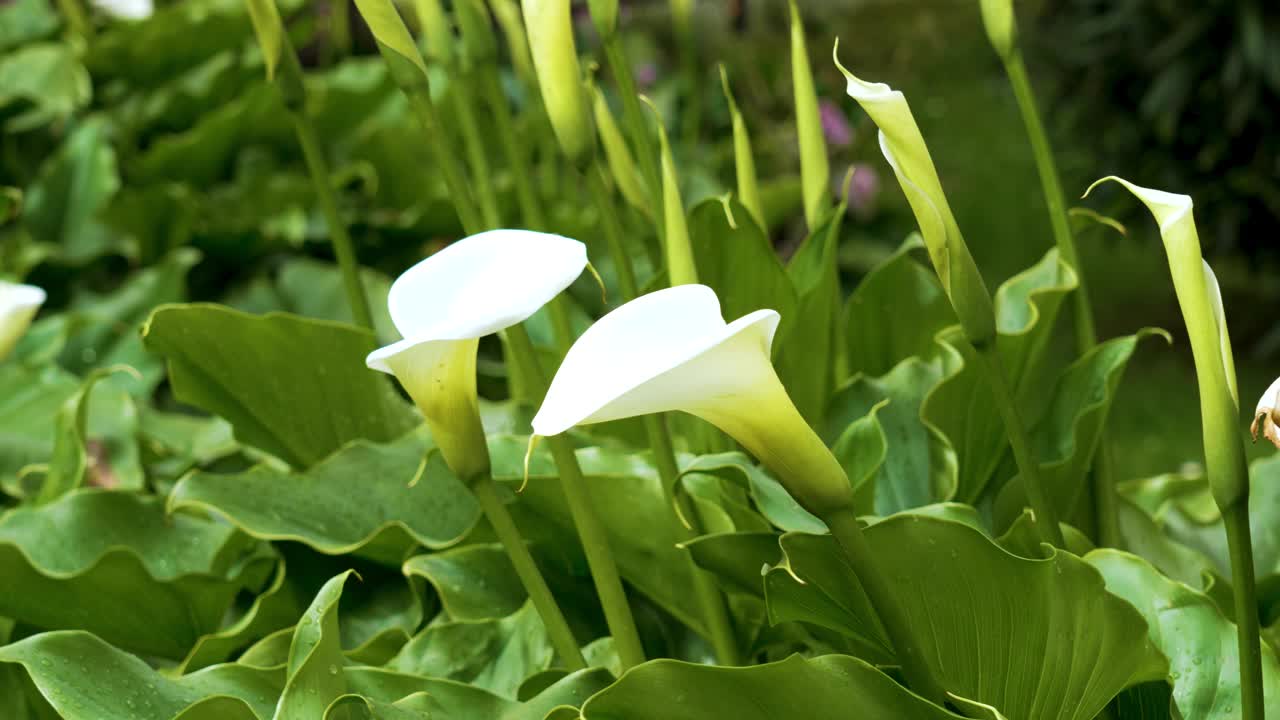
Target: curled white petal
{"x": 656, "y": 354}
{"x": 18, "y": 306}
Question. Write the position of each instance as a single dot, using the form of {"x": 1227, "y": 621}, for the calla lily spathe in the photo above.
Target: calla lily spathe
{"x": 443, "y": 306}
{"x": 672, "y": 350}
{"x": 18, "y": 306}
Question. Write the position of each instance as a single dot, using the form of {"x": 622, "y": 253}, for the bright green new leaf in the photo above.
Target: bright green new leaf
{"x": 682, "y": 268}
{"x": 622, "y": 166}
{"x": 114, "y": 564}
{"x": 744, "y": 162}
{"x": 815, "y": 169}
{"x": 406, "y": 500}
{"x": 84, "y": 678}
{"x": 830, "y": 687}
{"x": 295, "y": 387}
{"x": 907, "y": 154}
{"x": 1035, "y": 638}
{"x": 1192, "y": 632}
{"x": 270, "y": 31}
{"x": 315, "y": 676}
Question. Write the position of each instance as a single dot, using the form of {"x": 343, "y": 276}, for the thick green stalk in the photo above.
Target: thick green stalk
{"x": 291, "y": 82}
{"x": 463, "y": 104}
{"x": 1240, "y": 546}
{"x": 447, "y": 161}
{"x": 715, "y": 611}
{"x": 633, "y": 118}
{"x": 517, "y": 158}
{"x": 1046, "y": 515}
{"x": 595, "y": 541}
{"x": 543, "y": 601}
{"x": 1086, "y": 333}
{"x": 848, "y": 534}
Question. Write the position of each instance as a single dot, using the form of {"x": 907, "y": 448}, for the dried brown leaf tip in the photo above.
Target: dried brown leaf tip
{"x": 1265, "y": 417}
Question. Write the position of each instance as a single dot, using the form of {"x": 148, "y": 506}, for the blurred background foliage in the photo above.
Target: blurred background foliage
{"x": 164, "y": 134}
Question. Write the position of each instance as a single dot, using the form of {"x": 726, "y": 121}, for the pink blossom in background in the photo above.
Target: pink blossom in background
{"x": 864, "y": 190}
{"x": 835, "y": 126}
{"x": 646, "y": 75}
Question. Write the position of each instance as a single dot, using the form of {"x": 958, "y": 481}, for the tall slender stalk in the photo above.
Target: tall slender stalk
{"x": 1046, "y": 516}
{"x": 711, "y": 601}
{"x": 1086, "y": 332}
{"x": 633, "y": 119}
{"x": 450, "y": 167}
{"x": 290, "y": 79}
{"x": 544, "y": 602}
{"x": 1240, "y": 543}
{"x": 517, "y": 159}
{"x": 595, "y": 541}
{"x": 462, "y": 102}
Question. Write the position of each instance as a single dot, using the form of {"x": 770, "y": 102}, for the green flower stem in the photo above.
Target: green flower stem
{"x": 447, "y": 161}
{"x": 290, "y": 77}
{"x": 633, "y": 117}
{"x": 1086, "y": 333}
{"x": 715, "y": 611}
{"x": 848, "y": 534}
{"x": 463, "y": 104}
{"x": 1240, "y": 546}
{"x": 1028, "y": 467}
{"x": 544, "y": 602}
{"x": 517, "y": 159}
{"x": 595, "y": 541}
{"x": 612, "y": 230}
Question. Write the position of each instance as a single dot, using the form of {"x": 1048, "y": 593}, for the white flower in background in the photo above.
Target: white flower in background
{"x": 18, "y": 306}
{"x": 1266, "y": 417}
{"x": 443, "y": 306}
{"x": 672, "y": 350}
{"x": 125, "y": 9}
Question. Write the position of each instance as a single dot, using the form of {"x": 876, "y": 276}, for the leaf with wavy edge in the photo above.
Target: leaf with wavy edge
{"x": 773, "y": 500}
{"x": 407, "y": 500}
{"x": 113, "y": 563}
{"x": 276, "y": 607}
{"x": 1204, "y": 665}
{"x": 959, "y": 405}
{"x": 1071, "y": 428}
{"x": 458, "y": 701}
{"x": 830, "y": 687}
{"x": 84, "y": 678}
{"x": 1034, "y": 638}
{"x": 910, "y": 291}
{"x": 292, "y": 386}
{"x": 314, "y": 671}
{"x": 474, "y": 582}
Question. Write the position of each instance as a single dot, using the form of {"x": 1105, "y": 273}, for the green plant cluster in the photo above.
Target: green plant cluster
{"x": 211, "y": 508}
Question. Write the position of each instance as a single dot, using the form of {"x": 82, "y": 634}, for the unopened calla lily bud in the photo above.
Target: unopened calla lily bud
{"x": 1002, "y": 28}
{"x": 18, "y": 306}
{"x": 1201, "y": 304}
{"x": 555, "y": 59}
{"x": 672, "y": 350}
{"x": 743, "y": 159}
{"x": 508, "y": 16}
{"x": 815, "y": 169}
{"x": 604, "y": 15}
{"x": 904, "y": 147}
{"x": 443, "y": 306}
{"x": 478, "y": 42}
{"x": 622, "y": 166}
{"x": 1265, "y": 417}
{"x": 681, "y": 268}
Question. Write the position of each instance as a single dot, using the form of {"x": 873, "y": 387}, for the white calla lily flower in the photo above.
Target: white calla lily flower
{"x": 443, "y": 306}
{"x": 18, "y": 306}
{"x": 1266, "y": 416}
{"x": 672, "y": 350}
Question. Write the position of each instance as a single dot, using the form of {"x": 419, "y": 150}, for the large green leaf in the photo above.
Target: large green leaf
{"x": 474, "y": 582}
{"x": 894, "y": 313}
{"x": 458, "y": 701}
{"x": 831, "y": 687}
{"x": 407, "y": 499}
{"x": 84, "y": 678}
{"x": 960, "y": 406}
{"x": 919, "y": 467}
{"x": 806, "y": 360}
{"x": 47, "y": 78}
{"x": 63, "y": 203}
{"x": 294, "y": 387}
{"x": 1204, "y": 665}
{"x": 736, "y": 259}
{"x": 1034, "y": 638}
{"x": 113, "y": 563}
{"x": 1071, "y": 428}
